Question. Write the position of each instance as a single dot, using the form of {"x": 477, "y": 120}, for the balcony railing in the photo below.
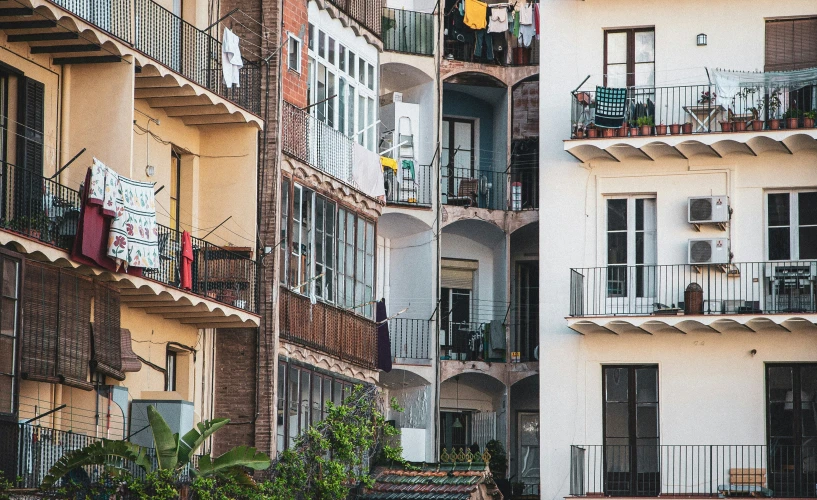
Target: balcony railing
{"x": 175, "y": 43}
{"x": 45, "y": 210}
{"x": 410, "y": 186}
{"x": 781, "y": 471}
{"x": 466, "y": 46}
{"x": 408, "y": 31}
{"x": 329, "y": 329}
{"x": 410, "y": 340}
{"x": 474, "y": 187}
{"x": 366, "y": 12}
{"x": 525, "y": 188}
{"x": 696, "y": 109}
{"x": 315, "y": 143}
{"x": 737, "y": 288}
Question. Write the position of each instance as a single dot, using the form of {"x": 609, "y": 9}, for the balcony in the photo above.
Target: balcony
{"x": 328, "y": 329}
{"x": 46, "y": 211}
{"x": 693, "y": 471}
{"x": 410, "y": 187}
{"x": 689, "y": 120}
{"x": 410, "y": 341}
{"x": 730, "y": 297}
{"x": 408, "y": 32}
{"x": 463, "y": 47}
{"x": 150, "y": 28}
{"x": 367, "y": 13}
{"x": 316, "y": 144}
{"x": 472, "y": 187}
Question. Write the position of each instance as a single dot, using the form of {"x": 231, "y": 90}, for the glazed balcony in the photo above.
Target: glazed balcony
{"x": 408, "y": 32}
{"x": 367, "y": 13}
{"x": 693, "y": 471}
{"x": 43, "y": 209}
{"x": 690, "y": 120}
{"x": 337, "y": 332}
{"x": 316, "y": 144}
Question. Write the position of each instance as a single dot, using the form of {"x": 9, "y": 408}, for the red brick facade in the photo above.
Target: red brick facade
{"x": 235, "y": 387}
{"x": 296, "y": 15}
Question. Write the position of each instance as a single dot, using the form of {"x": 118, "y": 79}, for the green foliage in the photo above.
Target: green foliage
{"x": 644, "y": 120}
{"x": 157, "y": 485}
{"x": 792, "y": 113}
{"x": 5, "y": 486}
{"x": 113, "y": 455}
{"x": 811, "y": 115}
{"x": 499, "y": 459}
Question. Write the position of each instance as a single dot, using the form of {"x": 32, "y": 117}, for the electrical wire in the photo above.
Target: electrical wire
{"x": 184, "y": 150}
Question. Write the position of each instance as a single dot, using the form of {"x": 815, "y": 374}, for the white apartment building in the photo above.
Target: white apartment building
{"x": 678, "y": 268}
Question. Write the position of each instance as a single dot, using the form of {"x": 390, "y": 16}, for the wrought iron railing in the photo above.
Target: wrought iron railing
{"x": 328, "y": 329}
{"x": 408, "y": 31}
{"x": 45, "y": 210}
{"x": 471, "y": 340}
{"x": 524, "y": 188}
{"x": 653, "y": 470}
{"x": 696, "y": 109}
{"x": 410, "y": 340}
{"x": 365, "y": 12}
{"x": 474, "y": 187}
{"x": 315, "y": 143}
{"x": 173, "y": 42}
{"x": 736, "y": 288}
{"x": 411, "y": 185}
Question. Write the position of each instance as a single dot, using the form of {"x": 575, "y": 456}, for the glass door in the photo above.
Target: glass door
{"x": 458, "y": 159}
{"x": 528, "y": 449}
{"x": 631, "y": 255}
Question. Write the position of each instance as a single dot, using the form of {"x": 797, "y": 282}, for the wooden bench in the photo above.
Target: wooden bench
{"x": 746, "y": 482}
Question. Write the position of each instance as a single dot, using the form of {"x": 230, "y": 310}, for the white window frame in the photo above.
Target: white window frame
{"x": 300, "y": 44}
{"x": 794, "y": 223}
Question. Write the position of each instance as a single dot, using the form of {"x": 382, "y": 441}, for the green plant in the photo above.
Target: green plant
{"x": 34, "y": 222}
{"x": 811, "y": 115}
{"x": 173, "y": 454}
{"x": 499, "y": 459}
{"x": 642, "y": 121}
{"x": 792, "y": 113}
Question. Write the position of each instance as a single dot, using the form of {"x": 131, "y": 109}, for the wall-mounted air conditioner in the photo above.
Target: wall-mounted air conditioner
{"x": 708, "y": 209}
{"x": 708, "y": 251}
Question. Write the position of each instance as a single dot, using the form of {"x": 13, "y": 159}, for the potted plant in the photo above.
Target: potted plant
{"x": 707, "y": 97}
{"x": 579, "y": 132}
{"x": 772, "y": 106}
{"x": 625, "y": 128}
{"x": 633, "y": 129}
{"x": 726, "y": 126}
{"x": 675, "y": 129}
{"x": 609, "y": 132}
{"x": 592, "y": 131}
{"x": 757, "y": 123}
{"x": 792, "y": 117}
{"x": 809, "y": 118}
{"x": 661, "y": 129}
{"x": 33, "y": 225}
{"x": 687, "y": 128}
{"x": 645, "y": 123}
{"x": 740, "y": 125}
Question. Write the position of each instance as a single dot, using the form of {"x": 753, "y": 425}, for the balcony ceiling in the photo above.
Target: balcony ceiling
{"x": 713, "y": 145}
{"x": 720, "y": 323}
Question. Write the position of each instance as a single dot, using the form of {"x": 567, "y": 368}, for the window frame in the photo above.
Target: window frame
{"x": 793, "y": 225}
{"x": 299, "y": 44}
{"x": 630, "y": 62}
{"x": 16, "y": 357}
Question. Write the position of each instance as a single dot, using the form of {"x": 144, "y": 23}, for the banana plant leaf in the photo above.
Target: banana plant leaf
{"x": 240, "y": 456}
{"x": 190, "y": 442}
{"x": 111, "y": 454}
{"x": 164, "y": 440}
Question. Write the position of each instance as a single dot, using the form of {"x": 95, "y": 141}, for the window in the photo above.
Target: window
{"x": 280, "y": 428}
{"x": 371, "y": 76}
{"x": 170, "y": 368}
{"x": 352, "y": 64}
{"x": 332, "y": 51}
{"x": 294, "y": 53}
{"x": 791, "y": 44}
{"x": 341, "y": 57}
{"x": 631, "y": 246}
{"x": 322, "y": 44}
{"x": 792, "y": 225}
{"x": 629, "y": 58}
{"x": 324, "y": 248}
{"x": 9, "y": 331}
{"x": 301, "y": 254}
{"x": 311, "y": 37}
{"x": 282, "y": 242}
{"x": 631, "y": 436}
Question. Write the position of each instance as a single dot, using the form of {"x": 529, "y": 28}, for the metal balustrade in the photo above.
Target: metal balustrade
{"x": 408, "y": 32}
{"x": 315, "y": 143}
{"x": 474, "y": 187}
{"x": 736, "y": 288}
{"x": 410, "y": 186}
{"x": 45, "y": 210}
{"x": 365, "y": 12}
{"x": 697, "y": 109}
{"x": 410, "y": 340}
{"x": 653, "y": 470}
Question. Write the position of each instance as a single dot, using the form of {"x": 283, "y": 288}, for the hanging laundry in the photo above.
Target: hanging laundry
{"x": 409, "y": 165}
{"x": 384, "y": 361}
{"x": 536, "y": 19}
{"x": 231, "y": 60}
{"x": 485, "y": 45}
{"x": 516, "y": 24}
{"x": 367, "y": 174}
{"x": 476, "y": 13}
{"x": 500, "y": 47}
{"x": 498, "y": 21}
{"x": 134, "y": 237}
{"x": 526, "y": 14}
{"x": 186, "y": 271}
{"x": 526, "y": 34}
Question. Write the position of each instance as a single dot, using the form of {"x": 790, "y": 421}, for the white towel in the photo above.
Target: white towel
{"x": 367, "y": 174}
{"x": 526, "y": 14}
{"x": 231, "y": 60}
{"x": 498, "y": 23}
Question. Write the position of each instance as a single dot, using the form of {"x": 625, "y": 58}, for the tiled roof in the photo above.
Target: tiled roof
{"x": 431, "y": 482}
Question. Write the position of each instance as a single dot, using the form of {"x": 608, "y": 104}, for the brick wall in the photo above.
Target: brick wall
{"x": 235, "y": 387}
{"x": 294, "y": 84}
{"x": 526, "y": 110}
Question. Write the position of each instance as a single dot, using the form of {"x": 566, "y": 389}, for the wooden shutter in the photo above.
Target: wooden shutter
{"x": 40, "y": 311}
{"x": 31, "y": 118}
{"x": 791, "y": 44}
{"x": 74, "y": 332}
{"x": 107, "y": 333}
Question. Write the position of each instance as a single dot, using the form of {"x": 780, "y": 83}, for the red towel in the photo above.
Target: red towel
{"x": 536, "y": 18}
{"x": 187, "y": 261}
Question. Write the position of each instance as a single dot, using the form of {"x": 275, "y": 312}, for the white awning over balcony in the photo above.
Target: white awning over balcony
{"x": 681, "y": 324}
{"x": 713, "y": 145}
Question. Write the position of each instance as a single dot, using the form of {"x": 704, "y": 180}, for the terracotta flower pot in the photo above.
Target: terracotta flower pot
{"x": 646, "y": 130}
{"x": 633, "y": 131}
{"x": 725, "y": 126}
{"x": 808, "y": 122}
{"x": 622, "y": 132}
{"x": 660, "y": 130}
{"x": 792, "y": 122}
{"x": 592, "y": 133}
{"x": 757, "y": 125}
{"x": 675, "y": 129}
{"x": 739, "y": 126}
{"x": 609, "y": 132}
{"x": 580, "y": 133}
{"x": 774, "y": 124}
{"x": 687, "y": 128}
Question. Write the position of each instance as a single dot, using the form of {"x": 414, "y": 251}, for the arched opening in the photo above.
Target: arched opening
{"x": 471, "y": 411}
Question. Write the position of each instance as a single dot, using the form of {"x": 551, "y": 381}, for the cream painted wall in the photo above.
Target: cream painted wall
{"x": 710, "y": 393}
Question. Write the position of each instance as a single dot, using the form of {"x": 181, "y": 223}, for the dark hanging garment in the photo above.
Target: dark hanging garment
{"x": 383, "y": 338}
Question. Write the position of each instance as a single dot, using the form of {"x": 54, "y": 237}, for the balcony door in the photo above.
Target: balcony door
{"x": 631, "y": 254}
{"x": 458, "y": 154}
{"x": 631, "y": 434}
{"x": 791, "y": 390}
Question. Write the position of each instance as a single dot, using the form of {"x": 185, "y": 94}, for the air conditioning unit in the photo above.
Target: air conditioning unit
{"x": 709, "y": 251}
{"x": 708, "y": 209}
